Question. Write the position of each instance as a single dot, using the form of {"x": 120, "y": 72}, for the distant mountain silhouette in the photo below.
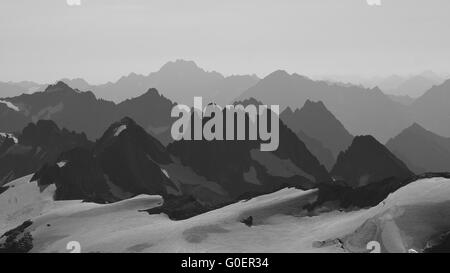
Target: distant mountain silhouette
{"x": 410, "y": 85}
{"x": 77, "y": 83}
{"x": 151, "y": 111}
{"x": 361, "y": 111}
{"x": 179, "y": 81}
{"x": 421, "y": 150}
{"x": 432, "y": 109}
{"x": 37, "y": 145}
{"x": 323, "y": 154}
{"x": 367, "y": 161}
{"x": 415, "y": 86}
{"x": 388, "y": 83}
{"x": 316, "y": 121}
{"x": 83, "y": 112}
{"x": 10, "y": 90}
{"x": 405, "y": 100}
{"x": 69, "y": 108}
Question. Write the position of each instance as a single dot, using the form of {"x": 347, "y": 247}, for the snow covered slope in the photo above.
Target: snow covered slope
{"x": 407, "y": 219}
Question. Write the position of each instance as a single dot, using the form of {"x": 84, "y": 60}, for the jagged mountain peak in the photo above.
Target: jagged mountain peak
{"x": 315, "y": 120}
{"x": 277, "y": 75}
{"x": 422, "y": 150}
{"x": 58, "y": 87}
{"x": 367, "y": 161}
{"x": 115, "y": 129}
{"x": 317, "y": 105}
{"x": 249, "y": 101}
{"x": 184, "y": 67}
{"x": 416, "y": 127}
{"x": 47, "y": 133}
{"x": 126, "y": 134}
{"x": 365, "y": 141}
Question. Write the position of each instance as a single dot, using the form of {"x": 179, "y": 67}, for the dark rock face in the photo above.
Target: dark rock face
{"x": 368, "y": 161}
{"x": 421, "y": 150}
{"x": 230, "y": 163}
{"x": 123, "y": 163}
{"x": 17, "y": 240}
{"x": 181, "y": 208}
{"x": 131, "y": 158}
{"x": 248, "y": 221}
{"x": 79, "y": 179}
{"x": 38, "y": 144}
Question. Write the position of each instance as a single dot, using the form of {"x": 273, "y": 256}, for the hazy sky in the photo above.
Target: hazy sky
{"x": 101, "y": 40}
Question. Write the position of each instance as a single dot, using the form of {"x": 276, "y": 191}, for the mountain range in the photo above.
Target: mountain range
{"x": 319, "y": 128}
{"x": 367, "y": 161}
{"x": 127, "y": 161}
{"x": 83, "y": 112}
{"x": 38, "y": 144}
{"x": 119, "y": 159}
{"x": 316, "y": 121}
{"x": 421, "y": 150}
{"x": 361, "y": 110}
{"x": 179, "y": 81}
{"x": 414, "y": 85}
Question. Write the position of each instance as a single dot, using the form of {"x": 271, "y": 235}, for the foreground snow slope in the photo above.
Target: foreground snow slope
{"x": 406, "y": 219}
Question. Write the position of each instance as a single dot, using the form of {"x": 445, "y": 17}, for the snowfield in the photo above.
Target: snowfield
{"x": 406, "y": 220}
{"x": 10, "y": 105}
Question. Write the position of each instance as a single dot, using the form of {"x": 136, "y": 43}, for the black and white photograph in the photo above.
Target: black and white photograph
{"x": 231, "y": 127}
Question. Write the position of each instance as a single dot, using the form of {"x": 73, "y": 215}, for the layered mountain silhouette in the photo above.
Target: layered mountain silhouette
{"x": 124, "y": 162}
{"x": 431, "y": 110}
{"x": 10, "y": 90}
{"x": 408, "y": 85}
{"x": 37, "y": 145}
{"x": 314, "y": 120}
{"x": 69, "y": 108}
{"x": 421, "y": 150}
{"x": 240, "y": 167}
{"x": 127, "y": 161}
{"x": 179, "y": 81}
{"x": 361, "y": 111}
{"x": 150, "y": 110}
{"x": 83, "y": 112}
{"x": 405, "y": 100}
{"x": 367, "y": 161}
{"x": 415, "y": 86}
